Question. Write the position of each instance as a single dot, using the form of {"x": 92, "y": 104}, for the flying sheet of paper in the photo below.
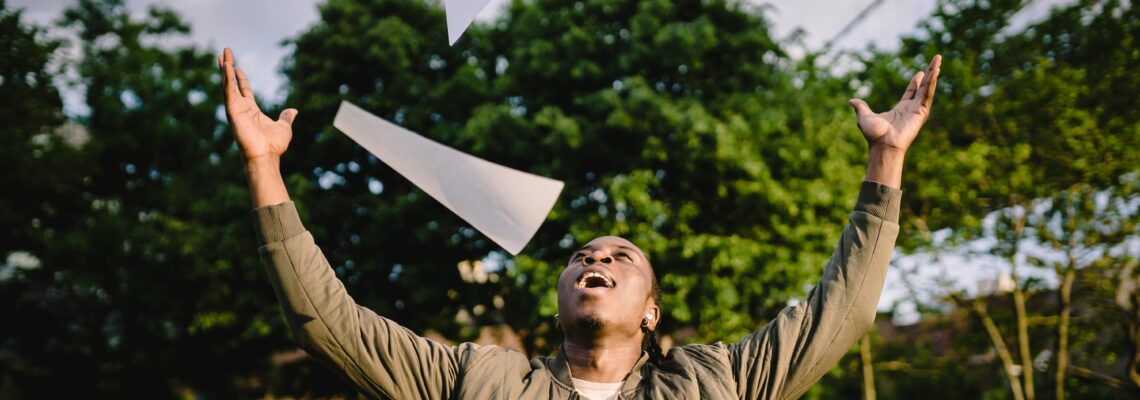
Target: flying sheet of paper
{"x": 504, "y": 204}
{"x": 460, "y": 14}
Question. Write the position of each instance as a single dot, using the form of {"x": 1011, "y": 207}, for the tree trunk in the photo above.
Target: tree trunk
{"x": 1070, "y": 275}
{"x": 1134, "y": 361}
{"x": 1019, "y": 308}
{"x": 1023, "y": 341}
{"x": 1003, "y": 352}
{"x": 868, "y": 369}
{"x": 1107, "y": 380}
{"x": 1128, "y": 298}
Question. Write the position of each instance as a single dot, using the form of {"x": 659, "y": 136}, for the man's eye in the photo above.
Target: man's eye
{"x": 627, "y": 257}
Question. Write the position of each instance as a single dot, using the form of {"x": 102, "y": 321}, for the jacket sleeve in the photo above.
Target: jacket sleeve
{"x": 381, "y": 358}
{"x": 783, "y": 359}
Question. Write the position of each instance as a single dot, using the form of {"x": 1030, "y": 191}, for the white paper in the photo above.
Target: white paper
{"x": 504, "y": 204}
{"x": 460, "y": 14}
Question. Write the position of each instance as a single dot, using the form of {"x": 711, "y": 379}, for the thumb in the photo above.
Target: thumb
{"x": 861, "y": 108}
{"x": 287, "y": 116}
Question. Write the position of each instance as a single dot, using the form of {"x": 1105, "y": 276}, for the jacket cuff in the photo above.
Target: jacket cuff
{"x": 879, "y": 200}
{"x": 276, "y": 222}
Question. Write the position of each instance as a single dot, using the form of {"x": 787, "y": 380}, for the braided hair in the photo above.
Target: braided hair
{"x": 649, "y": 343}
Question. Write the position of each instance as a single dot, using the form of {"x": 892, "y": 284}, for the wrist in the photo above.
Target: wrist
{"x": 263, "y": 163}
{"x": 885, "y": 165}
{"x": 266, "y": 185}
{"x": 885, "y": 150}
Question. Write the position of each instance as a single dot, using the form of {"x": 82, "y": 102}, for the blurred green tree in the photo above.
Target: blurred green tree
{"x": 34, "y": 140}
{"x": 32, "y": 108}
{"x": 1028, "y": 114}
{"x": 145, "y": 282}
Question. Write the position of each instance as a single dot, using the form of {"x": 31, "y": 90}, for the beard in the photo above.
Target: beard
{"x": 592, "y": 322}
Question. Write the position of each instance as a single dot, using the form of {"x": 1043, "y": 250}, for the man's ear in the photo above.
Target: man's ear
{"x": 652, "y": 316}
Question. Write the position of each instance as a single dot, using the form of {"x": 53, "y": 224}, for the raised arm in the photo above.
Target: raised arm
{"x": 381, "y": 358}
{"x": 783, "y": 359}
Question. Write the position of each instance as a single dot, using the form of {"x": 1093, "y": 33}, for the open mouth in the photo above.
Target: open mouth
{"x": 592, "y": 279}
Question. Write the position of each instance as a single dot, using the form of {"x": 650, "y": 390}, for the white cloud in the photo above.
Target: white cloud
{"x": 254, "y": 29}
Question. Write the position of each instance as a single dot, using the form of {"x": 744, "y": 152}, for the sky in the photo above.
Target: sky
{"x": 256, "y": 28}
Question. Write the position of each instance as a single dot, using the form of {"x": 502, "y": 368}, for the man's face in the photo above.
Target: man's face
{"x": 606, "y": 285}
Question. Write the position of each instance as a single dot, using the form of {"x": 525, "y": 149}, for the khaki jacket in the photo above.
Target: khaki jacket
{"x": 385, "y": 360}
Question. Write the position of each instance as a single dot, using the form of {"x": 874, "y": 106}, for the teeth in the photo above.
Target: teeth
{"x": 582, "y": 282}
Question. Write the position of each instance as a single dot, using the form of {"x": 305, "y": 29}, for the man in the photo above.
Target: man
{"x": 607, "y": 295}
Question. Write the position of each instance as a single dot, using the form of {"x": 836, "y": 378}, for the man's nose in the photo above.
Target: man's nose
{"x": 597, "y": 257}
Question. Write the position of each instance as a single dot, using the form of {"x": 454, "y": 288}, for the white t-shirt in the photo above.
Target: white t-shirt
{"x": 596, "y": 390}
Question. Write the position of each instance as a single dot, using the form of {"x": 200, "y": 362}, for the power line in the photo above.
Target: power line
{"x": 851, "y": 25}
{"x": 874, "y": 5}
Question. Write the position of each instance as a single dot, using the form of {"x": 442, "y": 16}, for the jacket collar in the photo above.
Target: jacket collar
{"x": 560, "y": 369}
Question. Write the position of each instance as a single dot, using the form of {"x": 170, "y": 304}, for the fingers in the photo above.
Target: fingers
{"x": 243, "y": 84}
{"x": 924, "y": 87}
{"x": 229, "y": 85}
{"x": 222, "y": 71}
{"x": 912, "y": 88}
{"x": 861, "y": 108}
{"x": 287, "y": 116}
{"x": 931, "y": 82}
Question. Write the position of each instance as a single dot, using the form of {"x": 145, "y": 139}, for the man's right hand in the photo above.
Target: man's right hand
{"x": 258, "y": 135}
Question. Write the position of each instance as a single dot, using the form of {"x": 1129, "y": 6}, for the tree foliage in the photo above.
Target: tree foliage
{"x": 142, "y": 280}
